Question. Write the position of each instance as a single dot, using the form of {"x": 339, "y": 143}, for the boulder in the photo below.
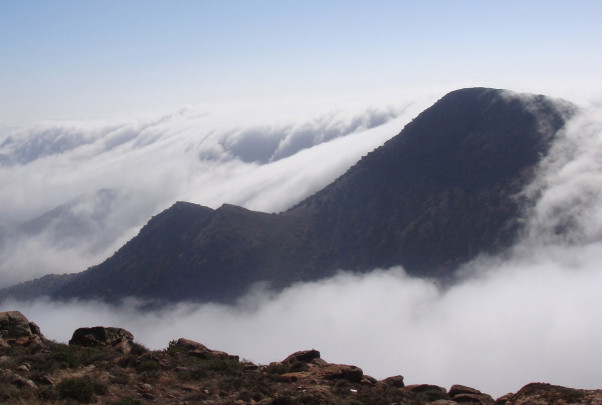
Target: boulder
{"x": 458, "y": 389}
{"x": 369, "y": 380}
{"x": 46, "y": 380}
{"x": 303, "y": 356}
{"x": 394, "y": 381}
{"x": 483, "y": 399}
{"x": 16, "y": 330}
{"x": 341, "y": 372}
{"x": 464, "y": 394}
{"x": 191, "y": 346}
{"x": 197, "y": 349}
{"x": 541, "y": 393}
{"x": 427, "y": 392}
{"x": 21, "y": 382}
{"x": 3, "y": 342}
{"x": 100, "y": 336}
{"x": 13, "y": 325}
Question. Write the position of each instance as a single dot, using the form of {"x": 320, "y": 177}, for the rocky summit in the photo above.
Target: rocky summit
{"x": 104, "y": 365}
{"x": 441, "y": 192}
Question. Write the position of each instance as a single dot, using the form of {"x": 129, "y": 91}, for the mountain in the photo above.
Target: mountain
{"x": 439, "y": 193}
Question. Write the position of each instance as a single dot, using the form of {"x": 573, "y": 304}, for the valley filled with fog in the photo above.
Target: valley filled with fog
{"x": 74, "y": 192}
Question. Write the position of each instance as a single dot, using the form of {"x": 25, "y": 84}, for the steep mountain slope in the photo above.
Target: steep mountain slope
{"x": 444, "y": 189}
{"x": 430, "y": 199}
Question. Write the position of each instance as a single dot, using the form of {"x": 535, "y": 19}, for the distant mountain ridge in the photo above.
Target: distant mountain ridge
{"x": 430, "y": 199}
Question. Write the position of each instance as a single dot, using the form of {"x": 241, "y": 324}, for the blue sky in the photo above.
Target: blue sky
{"x": 85, "y": 59}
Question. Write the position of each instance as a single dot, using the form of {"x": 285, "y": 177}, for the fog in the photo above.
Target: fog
{"x": 531, "y": 314}
{"x": 520, "y": 321}
{"x": 74, "y": 192}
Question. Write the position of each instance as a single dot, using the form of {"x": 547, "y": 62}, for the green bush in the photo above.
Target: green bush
{"x": 147, "y": 365}
{"x": 75, "y": 356}
{"x": 79, "y": 389}
{"x": 225, "y": 366}
{"x": 138, "y": 349}
{"x": 277, "y": 368}
{"x": 65, "y": 358}
{"x": 172, "y": 348}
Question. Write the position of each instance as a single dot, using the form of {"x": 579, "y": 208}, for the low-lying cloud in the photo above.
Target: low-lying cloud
{"x": 532, "y": 314}
{"x": 74, "y": 192}
{"x": 517, "y": 323}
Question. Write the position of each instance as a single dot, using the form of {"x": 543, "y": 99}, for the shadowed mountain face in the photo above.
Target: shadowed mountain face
{"x": 433, "y": 197}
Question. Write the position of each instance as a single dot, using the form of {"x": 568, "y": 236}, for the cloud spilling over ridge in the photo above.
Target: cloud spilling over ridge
{"x": 530, "y": 315}
{"x": 87, "y": 187}
{"x": 569, "y": 209}
{"x": 520, "y": 322}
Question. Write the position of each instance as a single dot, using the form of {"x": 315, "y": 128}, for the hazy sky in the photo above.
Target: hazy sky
{"x": 83, "y": 59}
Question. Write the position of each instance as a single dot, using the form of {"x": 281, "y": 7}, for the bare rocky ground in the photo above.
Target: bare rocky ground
{"x": 105, "y": 366}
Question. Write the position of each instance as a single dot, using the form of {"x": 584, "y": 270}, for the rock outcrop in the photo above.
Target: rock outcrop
{"x": 197, "y": 349}
{"x": 15, "y": 329}
{"x": 94, "y": 369}
{"x": 116, "y": 338}
{"x": 543, "y": 394}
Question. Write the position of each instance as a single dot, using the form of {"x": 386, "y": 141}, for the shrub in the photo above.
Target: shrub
{"x": 231, "y": 384}
{"x": 192, "y": 373}
{"x": 149, "y": 377}
{"x": 79, "y": 389}
{"x": 8, "y": 391}
{"x": 65, "y": 358}
{"x": 284, "y": 400}
{"x": 277, "y": 368}
{"x": 74, "y": 356}
{"x": 298, "y": 366}
{"x": 342, "y": 388}
{"x": 138, "y": 349}
{"x": 226, "y": 366}
{"x": 147, "y": 365}
{"x": 128, "y": 401}
{"x": 47, "y": 394}
{"x": 118, "y": 376}
{"x": 100, "y": 387}
{"x": 172, "y": 347}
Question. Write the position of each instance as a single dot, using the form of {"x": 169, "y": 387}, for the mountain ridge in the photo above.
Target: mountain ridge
{"x": 431, "y": 198}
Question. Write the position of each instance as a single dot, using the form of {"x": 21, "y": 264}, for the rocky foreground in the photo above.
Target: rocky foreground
{"x": 104, "y": 365}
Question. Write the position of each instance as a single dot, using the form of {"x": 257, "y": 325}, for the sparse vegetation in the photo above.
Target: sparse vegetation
{"x": 59, "y": 374}
{"x": 80, "y": 389}
{"x": 128, "y": 401}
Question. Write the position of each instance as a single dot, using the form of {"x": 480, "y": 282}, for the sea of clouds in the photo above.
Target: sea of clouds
{"x": 74, "y": 192}
{"x": 532, "y": 314}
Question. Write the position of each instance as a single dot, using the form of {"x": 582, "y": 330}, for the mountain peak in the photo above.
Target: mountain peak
{"x": 431, "y": 198}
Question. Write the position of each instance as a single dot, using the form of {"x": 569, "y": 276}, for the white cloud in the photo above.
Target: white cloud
{"x": 518, "y": 323}
{"x": 203, "y": 155}
{"x": 531, "y": 315}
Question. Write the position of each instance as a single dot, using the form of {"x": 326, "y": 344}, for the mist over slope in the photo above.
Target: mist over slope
{"x": 74, "y": 192}
{"x": 433, "y": 197}
{"x": 531, "y": 314}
